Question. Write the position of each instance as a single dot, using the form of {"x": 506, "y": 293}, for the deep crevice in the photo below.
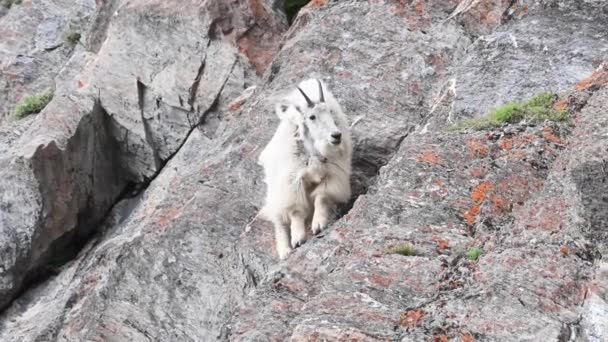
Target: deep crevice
{"x": 197, "y": 80}
{"x": 292, "y": 7}
{"x": 194, "y": 88}
{"x": 149, "y": 133}
{"x": 66, "y": 248}
{"x": 99, "y": 28}
{"x": 140, "y": 187}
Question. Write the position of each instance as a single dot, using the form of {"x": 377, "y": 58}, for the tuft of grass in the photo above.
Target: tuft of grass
{"x": 537, "y": 109}
{"x": 33, "y": 104}
{"x": 292, "y": 7}
{"x": 405, "y": 250}
{"x": 510, "y": 112}
{"x": 474, "y": 253}
{"x": 10, "y": 3}
{"x": 73, "y": 38}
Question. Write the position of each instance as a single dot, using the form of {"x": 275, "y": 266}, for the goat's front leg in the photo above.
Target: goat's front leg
{"x": 281, "y": 236}
{"x": 320, "y": 217}
{"x": 298, "y": 229}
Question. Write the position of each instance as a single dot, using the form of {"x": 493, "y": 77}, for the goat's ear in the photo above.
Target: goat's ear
{"x": 281, "y": 110}
{"x": 286, "y": 111}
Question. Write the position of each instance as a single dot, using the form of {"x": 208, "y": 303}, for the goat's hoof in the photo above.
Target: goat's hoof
{"x": 298, "y": 237}
{"x": 295, "y": 243}
{"x": 317, "y": 228}
{"x": 284, "y": 252}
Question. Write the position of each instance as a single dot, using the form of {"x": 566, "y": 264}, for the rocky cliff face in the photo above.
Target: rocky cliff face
{"x": 128, "y": 205}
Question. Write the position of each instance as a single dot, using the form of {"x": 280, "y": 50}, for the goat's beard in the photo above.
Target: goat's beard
{"x": 328, "y": 150}
{"x": 306, "y": 145}
{"x": 321, "y": 150}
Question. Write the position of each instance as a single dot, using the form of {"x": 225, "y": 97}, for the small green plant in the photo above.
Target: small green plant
{"x": 537, "y": 109}
{"x": 10, "y": 3}
{"x": 292, "y": 7}
{"x": 404, "y": 249}
{"x": 73, "y": 38}
{"x": 32, "y": 104}
{"x": 474, "y": 253}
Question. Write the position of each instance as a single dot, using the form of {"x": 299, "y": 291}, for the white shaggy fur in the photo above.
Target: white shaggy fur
{"x": 307, "y": 168}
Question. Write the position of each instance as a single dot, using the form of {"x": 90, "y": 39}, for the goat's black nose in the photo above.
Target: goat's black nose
{"x": 336, "y": 137}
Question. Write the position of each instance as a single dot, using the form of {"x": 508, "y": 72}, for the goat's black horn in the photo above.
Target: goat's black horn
{"x": 310, "y": 103}
{"x": 321, "y": 96}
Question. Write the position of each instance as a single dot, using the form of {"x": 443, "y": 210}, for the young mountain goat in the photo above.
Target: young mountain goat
{"x": 307, "y": 164}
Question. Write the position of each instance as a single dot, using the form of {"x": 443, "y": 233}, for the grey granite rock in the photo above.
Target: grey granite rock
{"x": 178, "y": 100}
{"x": 117, "y": 117}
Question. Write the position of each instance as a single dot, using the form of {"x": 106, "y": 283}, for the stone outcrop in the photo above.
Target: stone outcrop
{"x": 118, "y": 115}
{"x": 128, "y": 206}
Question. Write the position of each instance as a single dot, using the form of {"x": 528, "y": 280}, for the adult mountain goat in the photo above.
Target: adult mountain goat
{"x": 307, "y": 164}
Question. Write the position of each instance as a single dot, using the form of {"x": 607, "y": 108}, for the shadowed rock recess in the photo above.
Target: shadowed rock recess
{"x": 128, "y": 206}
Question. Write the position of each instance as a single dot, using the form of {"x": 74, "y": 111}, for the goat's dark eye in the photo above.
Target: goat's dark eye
{"x": 312, "y": 117}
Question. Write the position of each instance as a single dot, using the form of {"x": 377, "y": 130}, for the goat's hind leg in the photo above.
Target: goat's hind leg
{"x": 320, "y": 217}
{"x": 281, "y": 236}
{"x": 298, "y": 229}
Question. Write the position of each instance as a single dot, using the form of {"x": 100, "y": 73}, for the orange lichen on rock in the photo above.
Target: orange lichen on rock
{"x": 440, "y": 338}
{"x": 598, "y": 78}
{"x": 259, "y": 57}
{"x": 235, "y": 106}
{"x": 411, "y": 318}
{"x": 429, "y": 157}
{"x": 565, "y": 250}
{"x": 478, "y": 173}
{"x": 443, "y": 244}
{"x": 562, "y": 103}
{"x": 381, "y": 280}
{"x": 506, "y": 143}
{"x": 500, "y": 202}
{"x": 318, "y": 3}
{"x": 549, "y": 135}
{"x": 523, "y": 11}
{"x": 471, "y": 214}
{"x": 514, "y": 142}
{"x": 478, "y": 147}
{"x": 480, "y": 192}
{"x": 420, "y": 8}
{"x": 414, "y": 12}
{"x": 482, "y": 15}
{"x": 467, "y": 337}
{"x": 479, "y": 195}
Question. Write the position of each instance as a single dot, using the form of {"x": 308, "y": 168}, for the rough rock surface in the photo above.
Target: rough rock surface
{"x": 34, "y": 45}
{"x": 117, "y": 116}
{"x": 170, "y": 100}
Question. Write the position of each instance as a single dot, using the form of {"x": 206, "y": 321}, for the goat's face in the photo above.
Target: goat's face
{"x": 318, "y": 125}
{"x": 318, "y": 122}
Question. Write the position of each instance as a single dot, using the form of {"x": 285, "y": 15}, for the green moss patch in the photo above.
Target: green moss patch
{"x": 73, "y": 38}
{"x": 537, "y": 109}
{"x": 32, "y": 104}
{"x": 474, "y": 253}
{"x": 404, "y": 249}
